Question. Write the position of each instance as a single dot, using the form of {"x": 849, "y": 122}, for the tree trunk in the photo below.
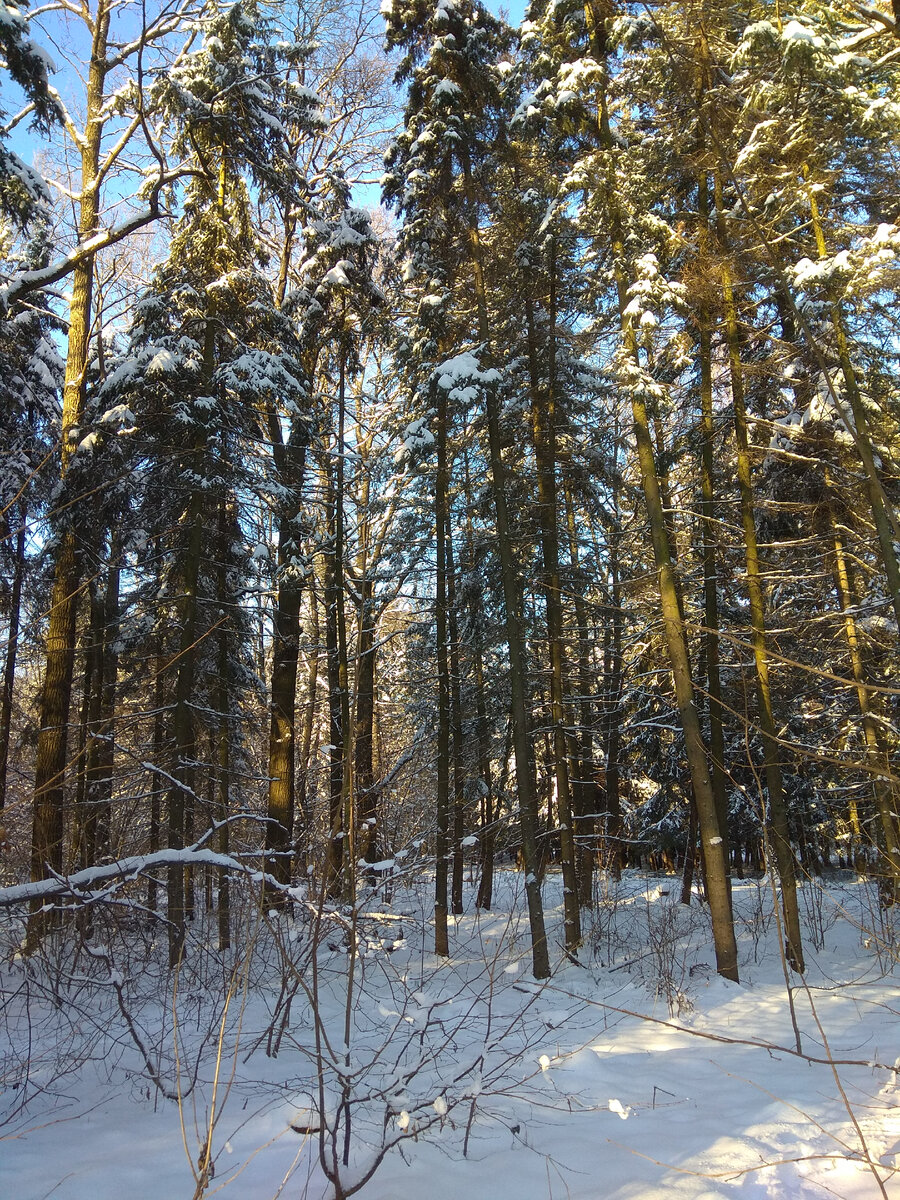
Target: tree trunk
{"x": 80, "y": 852}
{"x": 676, "y": 637}
{"x": 777, "y": 823}
{"x": 364, "y": 741}
{"x": 528, "y": 811}
{"x": 709, "y": 555}
{"x": 442, "y": 800}
{"x": 347, "y": 790}
{"x": 543, "y": 420}
{"x": 309, "y": 719}
{"x": 56, "y": 694}
{"x": 101, "y": 751}
{"x": 456, "y": 728}
{"x": 12, "y": 646}
{"x": 614, "y": 716}
{"x": 282, "y": 723}
{"x": 335, "y": 843}
{"x": 488, "y": 814}
{"x": 180, "y": 794}
{"x": 222, "y": 807}
{"x": 156, "y": 789}
{"x": 877, "y": 752}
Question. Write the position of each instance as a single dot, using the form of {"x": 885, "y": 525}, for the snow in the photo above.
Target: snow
{"x": 795, "y": 32}
{"x": 465, "y": 368}
{"x": 446, "y": 88}
{"x": 631, "y": 1077}
{"x": 345, "y": 235}
{"x": 337, "y": 276}
{"x": 11, "y": 18}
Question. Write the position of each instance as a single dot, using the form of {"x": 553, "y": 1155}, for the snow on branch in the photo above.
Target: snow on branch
{"x": 30, "y": 281}
{"x": 95, "y": 884}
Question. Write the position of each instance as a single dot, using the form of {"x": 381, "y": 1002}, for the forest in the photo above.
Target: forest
{"x": 449, "y": 598}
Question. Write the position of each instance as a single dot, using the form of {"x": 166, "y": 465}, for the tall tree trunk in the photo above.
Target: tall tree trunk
{"x": 12, "y": 647}
{"x": 456, "y": 728}
{"x": 669, "y": 592}
{"x": 290, "y": 463}
{"x": 543, "y": 420}
{"x": 306, "y": 737}
{"x": 364, "y": 740}
{"x": 676, "y": 640}
{"x": 442, "y": 799}
{"x": 347, "y": 789}
{"x": 876, "y": 750}
{"x": 488, "y": 809}
{"x": 330, "y": 585}
{"x": 56, "y": 693}
{"x": 584, "y": 785}
{"x": 708, "y": 541}
{"x": 180, "y": 793}
{"x": 222, "y": 807}
{"x": 156, "y": 789}
{"x": 614, "y": 715}
{"x": 101, "y": 751}
{"x": 528, "y": 809}
{"x": 81, "y": 853}
{"x": 779, "y": 834}
{"x": 282, "y": 737}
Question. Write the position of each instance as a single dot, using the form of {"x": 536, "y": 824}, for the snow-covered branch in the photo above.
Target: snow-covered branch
{"x": 32, "y": 281}
{"x": 96, "y": 883}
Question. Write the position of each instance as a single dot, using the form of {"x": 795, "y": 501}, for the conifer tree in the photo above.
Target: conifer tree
{"x": 31, "y": 377}
{"x": 210, "y": 351}
{"x": 23, "y": 193}
{"x": 437, "y": 174}
{"x": 573, "y": 61}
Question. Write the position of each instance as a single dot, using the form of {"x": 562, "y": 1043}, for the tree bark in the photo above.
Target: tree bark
{"x": 12, "y": 646}
{"x": 282, "y": 721}
{"x": 442, "y": 799}
{"x": 708, "y": 549}
{"x": 456, "y": 728}
{"x": 222, "y": 807}
{"x": 56, "y": 694}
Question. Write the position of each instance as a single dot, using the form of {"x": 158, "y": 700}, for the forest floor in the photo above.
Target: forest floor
{"x": 639, "y": 1074}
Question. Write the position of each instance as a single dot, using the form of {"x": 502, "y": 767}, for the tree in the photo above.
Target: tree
{"x": 211, "y": 353}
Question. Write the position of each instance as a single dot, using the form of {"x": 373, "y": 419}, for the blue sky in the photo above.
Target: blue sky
{"x": 513, "y": 10}
{"x": 26, "y": 143}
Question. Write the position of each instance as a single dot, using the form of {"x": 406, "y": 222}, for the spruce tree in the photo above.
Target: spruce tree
{"x": 211, "y": 353}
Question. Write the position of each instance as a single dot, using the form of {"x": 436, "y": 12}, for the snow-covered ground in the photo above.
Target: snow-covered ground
{"x": 637, "y": 1074}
